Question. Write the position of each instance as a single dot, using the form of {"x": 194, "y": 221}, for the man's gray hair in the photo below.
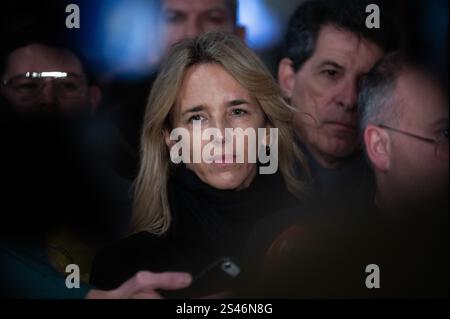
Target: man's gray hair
{"x": 376, "y": 91}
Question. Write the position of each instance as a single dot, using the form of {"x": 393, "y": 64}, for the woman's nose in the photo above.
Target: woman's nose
{"x": 221, "y": 125}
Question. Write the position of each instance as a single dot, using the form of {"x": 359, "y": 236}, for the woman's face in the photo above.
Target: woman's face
{"x": 210, "y": 95}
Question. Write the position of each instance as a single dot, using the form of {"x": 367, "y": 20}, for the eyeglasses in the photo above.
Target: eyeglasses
{"x": 31, "y": 84}
{"x": 441, "y": 143}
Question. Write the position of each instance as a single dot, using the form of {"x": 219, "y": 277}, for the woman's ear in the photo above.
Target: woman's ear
{"x": 286, "y": 76}
{"x": 378, "y": 147}
{"x": 266, "y": 140}
{"x": 166, "y": 134}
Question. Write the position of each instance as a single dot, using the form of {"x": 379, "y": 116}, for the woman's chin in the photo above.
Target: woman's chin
{"x": 226, "y": 181}
{"x": 226, "y": 177}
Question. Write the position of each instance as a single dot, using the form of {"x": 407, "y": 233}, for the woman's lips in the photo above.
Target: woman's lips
{"x": 345, "y": 127}
{"x": 224, "y": 159}
{"x": 223, "y": 162}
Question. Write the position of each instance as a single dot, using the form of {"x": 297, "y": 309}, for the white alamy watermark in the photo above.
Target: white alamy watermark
{"x": 73, "y": 277}
{"x": 373, "y": 279}
{"x": 373, "y": 19}
{"x": 236, "y": 145}
{"x": 73, "y": 19}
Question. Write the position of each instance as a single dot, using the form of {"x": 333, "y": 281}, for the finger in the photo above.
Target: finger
{"x": 145, "y": 280}
{"x": 165, "y": 281}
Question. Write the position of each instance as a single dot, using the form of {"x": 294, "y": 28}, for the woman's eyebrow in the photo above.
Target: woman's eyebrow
{"x": 199, "y": 108}
{"x": 194, "y": 109}
{"x": 237, "y": 102}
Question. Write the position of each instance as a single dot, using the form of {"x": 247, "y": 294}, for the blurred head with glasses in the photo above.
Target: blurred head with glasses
{"x": 38, "y": 78}
{"x": 404, "y": 121}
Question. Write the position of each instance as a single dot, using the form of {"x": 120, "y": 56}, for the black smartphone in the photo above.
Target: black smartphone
{"x": 214, "y": 280}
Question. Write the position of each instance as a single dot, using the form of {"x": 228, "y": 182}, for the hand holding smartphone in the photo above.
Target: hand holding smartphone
{"x": 214, "y": 281}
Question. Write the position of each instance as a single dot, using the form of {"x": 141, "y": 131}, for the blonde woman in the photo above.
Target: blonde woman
{"x": 187, "y": 215}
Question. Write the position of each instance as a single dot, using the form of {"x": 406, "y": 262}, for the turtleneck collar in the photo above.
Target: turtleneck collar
{"x": 225, "y": 216}
{"x": 262, "y": 185}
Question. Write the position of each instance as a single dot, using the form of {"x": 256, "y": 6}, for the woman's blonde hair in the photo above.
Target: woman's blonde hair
{"x": 151, "y": 210}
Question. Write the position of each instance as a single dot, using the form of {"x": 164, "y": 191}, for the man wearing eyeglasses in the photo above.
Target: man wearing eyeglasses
{"x": 403, "y": 229}
{"x": 404, "y": 122}
{"x": 40, "y": 78}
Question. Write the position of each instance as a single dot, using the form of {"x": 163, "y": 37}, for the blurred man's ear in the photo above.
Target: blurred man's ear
{"x": 95, "y": 97}
{"x": 378, "y": 147}
{"x": 241, "y": 32}
{"x": 286, "y": 77}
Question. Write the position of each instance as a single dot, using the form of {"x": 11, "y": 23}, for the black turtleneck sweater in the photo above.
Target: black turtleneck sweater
{"x": 207, "y": 224}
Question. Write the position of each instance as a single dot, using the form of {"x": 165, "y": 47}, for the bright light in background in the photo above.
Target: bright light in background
{"x": 130, "y": 34}
{"x": 263, "y": 26}
{"x": 121, "y": 37}
{"x": 124, "y": 37}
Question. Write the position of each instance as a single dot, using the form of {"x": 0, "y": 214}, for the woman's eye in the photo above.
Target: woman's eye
{"x": 238, "y": 112}
{"x": 196, "y": 117}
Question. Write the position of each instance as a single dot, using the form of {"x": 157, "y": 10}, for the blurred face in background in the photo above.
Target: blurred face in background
{"x": 183, "y": 19}
{"x": 40, "y": 78}
{"x": 224, "y": 104}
